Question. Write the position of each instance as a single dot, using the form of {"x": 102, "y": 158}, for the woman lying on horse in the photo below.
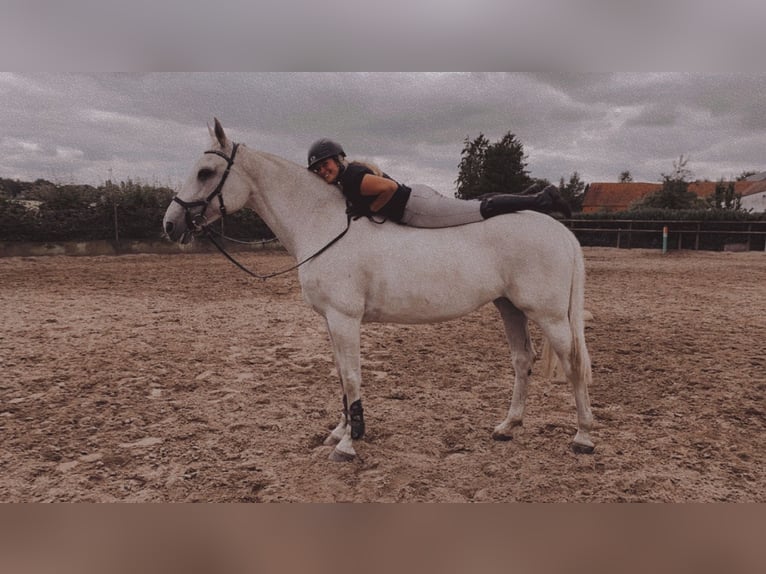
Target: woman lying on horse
{"x": 371, "y": 192}
{"x": 529, "y": 266}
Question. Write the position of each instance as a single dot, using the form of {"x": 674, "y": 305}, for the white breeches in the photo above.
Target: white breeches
{"x": 428, "y": 208}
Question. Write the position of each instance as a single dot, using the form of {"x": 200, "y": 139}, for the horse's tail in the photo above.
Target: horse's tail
{"x": 578, "y": 355}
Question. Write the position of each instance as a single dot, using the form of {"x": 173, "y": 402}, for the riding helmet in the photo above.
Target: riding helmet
{"x": 320, "y": 150}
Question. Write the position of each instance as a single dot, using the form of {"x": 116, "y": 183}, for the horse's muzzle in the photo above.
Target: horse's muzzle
{"x": 178, "y": 233}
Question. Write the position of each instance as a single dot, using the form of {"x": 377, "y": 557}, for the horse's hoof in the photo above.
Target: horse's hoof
{"x": 505, "y": 430}
{"x": 578, "y": 448}
{"x": 341, "y": 456}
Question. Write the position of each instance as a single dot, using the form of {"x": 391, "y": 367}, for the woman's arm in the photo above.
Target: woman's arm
{"x": 381, "y": 187}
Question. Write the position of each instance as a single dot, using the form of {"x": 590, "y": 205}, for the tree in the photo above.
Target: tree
{"x": 625, "y": 177}
{"x": 492, "y": 168}
{"x": 724, "y": 197}
{"x": 471, "y": 167}
{"x": 680, "y": 170}
{"x": 745, "y": 174}
{"x": 62, "y": 197}
{"x": 574, "y": 191}
{"x": 10, "y": 188}
{"x": 674, "y": 193}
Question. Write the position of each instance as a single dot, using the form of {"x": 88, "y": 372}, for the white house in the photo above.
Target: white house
{"x": 754, "y": 195}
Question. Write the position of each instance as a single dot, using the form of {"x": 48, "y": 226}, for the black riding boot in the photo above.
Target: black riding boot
{"x": 547, "y": 201}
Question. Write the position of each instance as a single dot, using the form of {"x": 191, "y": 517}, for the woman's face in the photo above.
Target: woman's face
{"x": 328, "y": 170}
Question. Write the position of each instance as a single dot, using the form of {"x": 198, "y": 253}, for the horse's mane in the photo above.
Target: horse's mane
{"x": 333, "y": 193}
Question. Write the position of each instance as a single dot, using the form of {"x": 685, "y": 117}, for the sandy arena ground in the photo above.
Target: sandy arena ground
{"x": 177, "y": 378}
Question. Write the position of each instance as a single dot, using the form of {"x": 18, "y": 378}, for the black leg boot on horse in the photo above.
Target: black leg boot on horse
{"x": 548, "y": 201}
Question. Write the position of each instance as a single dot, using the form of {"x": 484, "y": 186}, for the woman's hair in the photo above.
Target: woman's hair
{"x": 369, "y": 165}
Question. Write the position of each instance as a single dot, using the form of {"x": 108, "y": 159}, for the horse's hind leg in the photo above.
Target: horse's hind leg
{"x": 575, "y": 362}
{"x": 522, "y": 356}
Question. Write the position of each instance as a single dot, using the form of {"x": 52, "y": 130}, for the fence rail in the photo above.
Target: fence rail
{"x": 682, "y": 234}
{"x": 125, "y": 223}
{"x": 107, "y": 222}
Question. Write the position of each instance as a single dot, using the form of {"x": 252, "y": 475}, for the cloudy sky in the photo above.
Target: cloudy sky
{"x": 84, "y": 128}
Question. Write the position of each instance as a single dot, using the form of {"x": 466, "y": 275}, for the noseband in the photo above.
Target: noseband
{"x": 197, "y": 222}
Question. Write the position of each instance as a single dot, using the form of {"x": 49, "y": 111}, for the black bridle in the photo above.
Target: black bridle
{"x": 198, "y": 222}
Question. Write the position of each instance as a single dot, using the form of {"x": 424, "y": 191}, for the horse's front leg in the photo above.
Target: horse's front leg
{"x": 344, "y": 335}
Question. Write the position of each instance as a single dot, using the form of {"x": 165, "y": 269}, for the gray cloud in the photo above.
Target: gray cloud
{"x": 152, "y": 126}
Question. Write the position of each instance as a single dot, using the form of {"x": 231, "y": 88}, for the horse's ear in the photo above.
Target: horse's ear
{"x": 217, "y": 134}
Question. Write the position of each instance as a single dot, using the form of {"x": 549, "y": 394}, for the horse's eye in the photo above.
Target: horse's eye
{"x": 205, "y": 174}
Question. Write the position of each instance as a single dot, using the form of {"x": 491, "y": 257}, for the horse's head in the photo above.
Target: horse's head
{"x": 215, "y": 187}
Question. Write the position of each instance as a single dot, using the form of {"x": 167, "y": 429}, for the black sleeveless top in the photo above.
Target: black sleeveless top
{"x": 350, "y": 182}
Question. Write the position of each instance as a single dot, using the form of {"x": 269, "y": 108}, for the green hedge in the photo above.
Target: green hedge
{"x": 131, "y": 211}
{"x": 708, "y": 230}
{"x": 104, "y": 221}
{"x": 675, "y": 215}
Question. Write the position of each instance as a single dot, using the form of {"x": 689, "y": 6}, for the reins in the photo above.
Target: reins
{"x": 199, "y": 225}
{"x": 225, "y": 237}
{"x": 210, "y": 236}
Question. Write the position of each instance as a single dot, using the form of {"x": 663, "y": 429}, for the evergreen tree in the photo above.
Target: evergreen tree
{"x": 491, "y": 168}
{"x": 469, "y": 178}
{"x": 573, "y": 192}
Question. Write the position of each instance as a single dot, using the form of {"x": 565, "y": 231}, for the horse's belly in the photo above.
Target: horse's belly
{"x": 425, "y": 303}
{"x": 427, "y": 312}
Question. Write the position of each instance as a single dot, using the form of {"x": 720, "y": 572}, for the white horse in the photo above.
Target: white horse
{"x": 528, "y": 264}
